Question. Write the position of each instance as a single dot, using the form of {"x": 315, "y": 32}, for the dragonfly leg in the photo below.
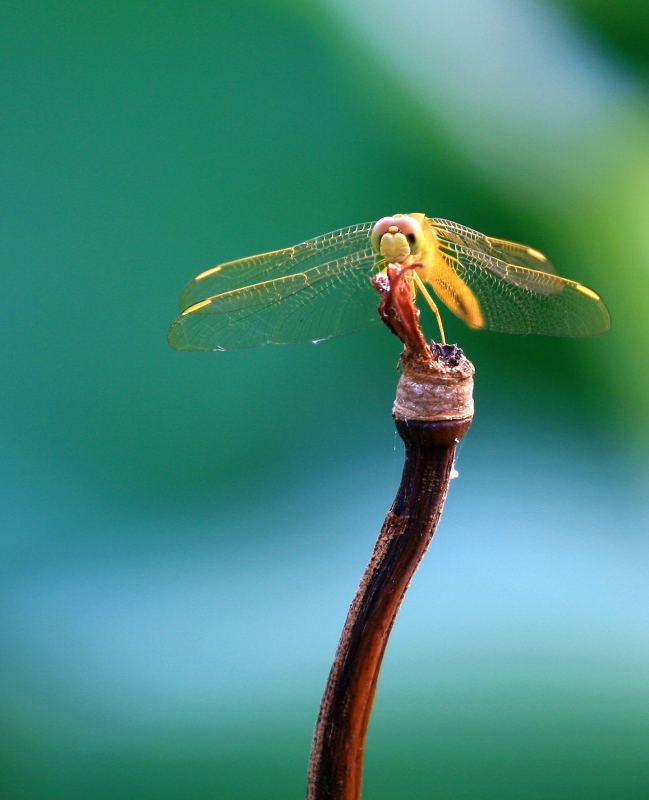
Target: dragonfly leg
{"x": 431, "y": 303}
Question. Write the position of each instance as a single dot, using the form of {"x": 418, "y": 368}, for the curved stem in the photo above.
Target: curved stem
{"x": 335, "y": 770}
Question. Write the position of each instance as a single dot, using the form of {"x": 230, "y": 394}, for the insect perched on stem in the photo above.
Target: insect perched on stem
{"x": 321, "y": 288}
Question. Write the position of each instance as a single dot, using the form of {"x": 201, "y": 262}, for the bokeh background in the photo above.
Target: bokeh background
{"x": 182, "y": 533}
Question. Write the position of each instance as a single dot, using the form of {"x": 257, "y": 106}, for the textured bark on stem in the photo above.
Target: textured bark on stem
{"x": 433, "y": 410}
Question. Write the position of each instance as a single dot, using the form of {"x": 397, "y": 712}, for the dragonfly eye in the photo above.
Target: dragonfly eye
{"x": 411, "y": 229}
{"x": 378, "y": 231}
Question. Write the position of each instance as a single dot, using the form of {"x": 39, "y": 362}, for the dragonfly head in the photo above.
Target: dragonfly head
{"x": 397, "y": 238}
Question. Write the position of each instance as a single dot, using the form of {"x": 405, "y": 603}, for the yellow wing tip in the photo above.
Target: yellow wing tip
{"x": 195, "y": 307}
{"x": 536, "y": 254}
{"x": 208, "y": 272}
{"x": 586, "y": 291}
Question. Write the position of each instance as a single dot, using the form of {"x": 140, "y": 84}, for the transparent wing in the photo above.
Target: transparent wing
{"x": 267, "y": 266}
{"x": 489, "y": 293}
{"x": 510, "y": 252}
{"x": 326, "y": 300}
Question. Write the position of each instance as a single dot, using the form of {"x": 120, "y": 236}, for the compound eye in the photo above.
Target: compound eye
{"x": 411, "y": 229}
{"x": 381, "y": 227}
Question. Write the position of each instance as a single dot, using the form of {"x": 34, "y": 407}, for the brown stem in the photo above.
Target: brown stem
{"x": 336, "y": 765}
{"x": 432, "y": 411}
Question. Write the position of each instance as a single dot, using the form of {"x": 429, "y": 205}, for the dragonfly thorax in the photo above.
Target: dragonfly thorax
{"x": 397, "y": 238}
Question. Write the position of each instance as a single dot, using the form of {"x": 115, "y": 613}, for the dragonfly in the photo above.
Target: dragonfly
{"x": 322, "y": 287}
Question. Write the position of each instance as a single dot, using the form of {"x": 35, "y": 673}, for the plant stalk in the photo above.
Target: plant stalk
{"x": 432, "y": 411}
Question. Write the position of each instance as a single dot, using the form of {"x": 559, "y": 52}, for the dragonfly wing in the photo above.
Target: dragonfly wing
{"x": 488, "y": 293}
{"x": 231, "y": 275}
{"x": 454, "y": 234}
{"x": 267, "y": 266}
{"x": 326, "y": 300}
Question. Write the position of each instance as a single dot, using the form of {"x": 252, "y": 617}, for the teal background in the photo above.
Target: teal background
{"x": 181, "y": 533}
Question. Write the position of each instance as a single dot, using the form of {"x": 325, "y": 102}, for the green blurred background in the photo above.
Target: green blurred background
{"x": 182, "y": 533}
